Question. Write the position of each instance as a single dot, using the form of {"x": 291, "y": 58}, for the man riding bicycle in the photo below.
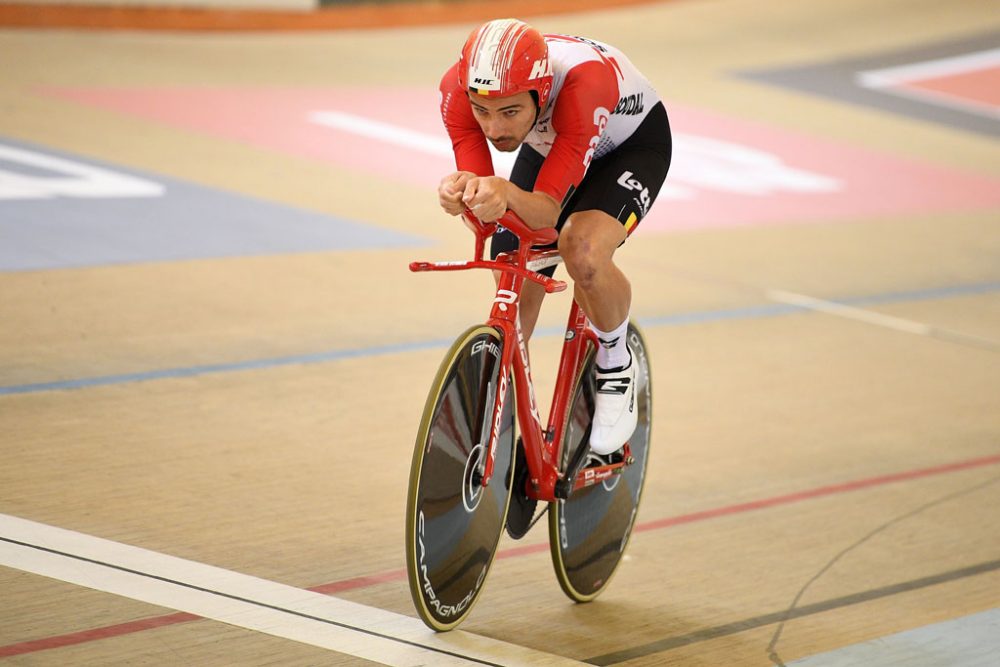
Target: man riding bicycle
{"x": 595, "y": 148}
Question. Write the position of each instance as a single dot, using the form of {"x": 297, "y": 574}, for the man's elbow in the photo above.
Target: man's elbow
{"x": 550, "y": 211}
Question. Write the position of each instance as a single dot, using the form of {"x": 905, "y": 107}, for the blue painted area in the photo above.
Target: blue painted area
{"x": 69, "y": 225}
{"x": 679, "y": 319}
{"x": 970, "y": 641}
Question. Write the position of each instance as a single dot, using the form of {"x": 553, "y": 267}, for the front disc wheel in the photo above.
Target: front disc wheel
{"x": 453, "y": 521}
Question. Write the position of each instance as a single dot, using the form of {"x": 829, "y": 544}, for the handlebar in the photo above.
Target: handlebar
{"x": 506, "y": 262}
{"x": 512, "y": 222}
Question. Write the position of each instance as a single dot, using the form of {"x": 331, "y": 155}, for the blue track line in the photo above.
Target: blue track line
{"x": 678, "y": 319}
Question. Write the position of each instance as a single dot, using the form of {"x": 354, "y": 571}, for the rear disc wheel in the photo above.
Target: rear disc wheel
{"x": 588, "y": 532}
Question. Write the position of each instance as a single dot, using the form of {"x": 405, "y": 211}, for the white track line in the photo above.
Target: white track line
{"x": 834, "y": 308}
{"x": 248, "y": 602}
{"x": 393, "y": 134}
{"x": 894, "y": 79}
{"x": 929, "y": 69}
{"x": 430, "y": 144}
{"x": 878, "y": 319}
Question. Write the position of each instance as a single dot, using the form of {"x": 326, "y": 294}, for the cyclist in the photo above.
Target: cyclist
{"x": 595, "y": 148}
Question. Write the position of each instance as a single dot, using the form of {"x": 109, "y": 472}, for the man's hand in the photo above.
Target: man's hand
{"x": 489, "y": 197}
{"x": 451, "y": 189}
{"x": 486, "y": 197}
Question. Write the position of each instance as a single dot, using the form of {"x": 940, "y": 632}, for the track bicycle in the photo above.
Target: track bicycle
{"x": 472, "y": 477}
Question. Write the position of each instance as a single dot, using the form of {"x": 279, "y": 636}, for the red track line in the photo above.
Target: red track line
{"x": 95, "y": 634}
{"x": 366, "y": 581}
{"x": 359, "y": 582}
{"x": 818, "y": 493}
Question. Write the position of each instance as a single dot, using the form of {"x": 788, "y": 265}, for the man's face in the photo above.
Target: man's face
{"x": 505, "y": 121}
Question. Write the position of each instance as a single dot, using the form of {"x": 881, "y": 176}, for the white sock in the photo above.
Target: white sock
{"x": 612, "y": 352}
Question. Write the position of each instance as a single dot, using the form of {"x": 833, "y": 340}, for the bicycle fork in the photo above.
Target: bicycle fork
{"x": 504, "y": 316}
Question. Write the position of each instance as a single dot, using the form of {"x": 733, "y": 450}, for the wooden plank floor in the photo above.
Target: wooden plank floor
{"x": 817, "y": 480}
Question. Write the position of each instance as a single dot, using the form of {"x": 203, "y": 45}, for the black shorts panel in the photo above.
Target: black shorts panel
{"x": 624, "y": 183}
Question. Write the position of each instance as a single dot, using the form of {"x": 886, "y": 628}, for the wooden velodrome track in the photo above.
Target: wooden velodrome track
{"x": 826, "y": 462}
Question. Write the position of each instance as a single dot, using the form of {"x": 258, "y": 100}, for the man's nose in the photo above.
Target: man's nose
{"x": 494, "y": 128}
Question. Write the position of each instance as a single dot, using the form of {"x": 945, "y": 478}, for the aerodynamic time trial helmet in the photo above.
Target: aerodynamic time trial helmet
{"x": 505, "y": 57}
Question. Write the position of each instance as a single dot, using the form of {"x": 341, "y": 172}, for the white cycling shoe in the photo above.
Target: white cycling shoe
{"x": 615, "y": 416}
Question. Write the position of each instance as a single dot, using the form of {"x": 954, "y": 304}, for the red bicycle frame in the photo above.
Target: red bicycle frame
{"x": 541, "y": 448}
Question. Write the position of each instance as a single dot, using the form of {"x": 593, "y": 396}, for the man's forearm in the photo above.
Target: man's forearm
{"x": 537, "y": 209}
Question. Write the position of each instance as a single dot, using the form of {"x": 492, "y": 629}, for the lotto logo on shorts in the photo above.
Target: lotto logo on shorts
{"x": 629, "y": 183}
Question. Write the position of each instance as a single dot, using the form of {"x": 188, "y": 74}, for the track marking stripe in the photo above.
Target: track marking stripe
{"x": 878, "y": 319}
{"x": 425, "y": 142}
{"x": 850, "y": 312}
{"x": 831, "y": 490}
{"x": 237, "y": 366}
{"x": 94, "y": 634}
{"x": 676, "y": 319}
{"x": 365, "y": 581}
{"x": 246, "y": 601}
{"x": 930, "y": 69}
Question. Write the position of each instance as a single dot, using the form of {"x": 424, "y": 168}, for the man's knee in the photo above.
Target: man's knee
{"x": 587, "y": 242}
{"x": 577, "y": 252}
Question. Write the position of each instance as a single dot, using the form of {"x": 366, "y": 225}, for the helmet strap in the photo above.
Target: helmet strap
{"x": 538, "y": 109}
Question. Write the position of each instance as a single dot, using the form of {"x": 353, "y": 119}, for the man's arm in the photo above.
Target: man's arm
{"x": 588, "y": 96}
{"x": 472, "y": 154}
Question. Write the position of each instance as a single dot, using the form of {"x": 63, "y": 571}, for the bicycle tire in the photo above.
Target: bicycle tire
{"x": 453, "y": 524}
{"x": 590, "y": 530}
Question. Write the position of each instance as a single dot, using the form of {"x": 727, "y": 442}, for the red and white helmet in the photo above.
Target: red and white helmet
{"x": 505, "y": 57}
